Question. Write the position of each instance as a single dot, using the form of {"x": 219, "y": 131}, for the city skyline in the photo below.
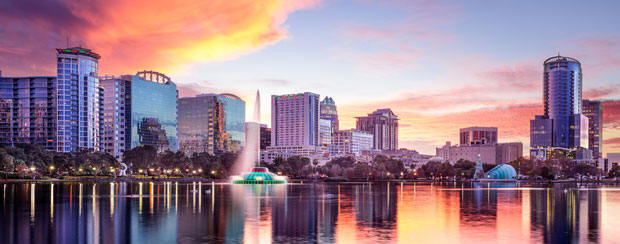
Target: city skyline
{"x": 437, "y": 73}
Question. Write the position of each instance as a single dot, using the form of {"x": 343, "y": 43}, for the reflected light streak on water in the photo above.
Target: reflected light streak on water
{"x": 325, "y": 213}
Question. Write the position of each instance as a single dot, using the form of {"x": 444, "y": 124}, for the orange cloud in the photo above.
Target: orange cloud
{"x": 149, "y": 34}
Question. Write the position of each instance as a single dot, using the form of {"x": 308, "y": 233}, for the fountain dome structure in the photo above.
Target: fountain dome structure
{"x": 501, "y": 172}
{"x": 259, "y": 175}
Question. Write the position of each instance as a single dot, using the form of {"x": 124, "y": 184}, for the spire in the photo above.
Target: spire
{"x": 257, "y": 108}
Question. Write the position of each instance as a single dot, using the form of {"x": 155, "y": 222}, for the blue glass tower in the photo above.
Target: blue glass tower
{"x": 562, "y": 99}
{"x": 234, "y": 120}
{"x": 80, "y": 103}
{"x": 563, "y": 125}
{"x": 153, "y": 111}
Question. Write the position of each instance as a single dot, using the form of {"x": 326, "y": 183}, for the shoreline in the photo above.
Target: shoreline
{"x": 292, "y": 181}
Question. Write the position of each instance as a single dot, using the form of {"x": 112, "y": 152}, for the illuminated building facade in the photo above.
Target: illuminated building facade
{"x": 28, "y": 111}
{"x": 593, "y": 110}
{"x": 562, "y": 100}
{"x": 80, "y": 103}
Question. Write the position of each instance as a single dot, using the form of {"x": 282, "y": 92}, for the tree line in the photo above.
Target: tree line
{"x": 27, "y": 161}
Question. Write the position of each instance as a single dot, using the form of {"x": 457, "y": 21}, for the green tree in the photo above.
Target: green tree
{"x": 465, "y": 168}
{"x": 446, "y": 170}
{"x": 431, "y": 169}
{"x": 141, "y": 157}
{"x": 614, "y": 171}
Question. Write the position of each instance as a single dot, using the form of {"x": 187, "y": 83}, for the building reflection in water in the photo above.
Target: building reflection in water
{"x": 168, "y": 212}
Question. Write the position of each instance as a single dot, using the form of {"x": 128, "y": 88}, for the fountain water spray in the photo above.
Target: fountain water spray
{"x": 250, "y": 156}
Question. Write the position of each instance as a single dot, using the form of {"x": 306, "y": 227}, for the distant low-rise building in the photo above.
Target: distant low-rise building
{"x": 480, "y": 142}
{"x": 613, "y": 158}
{"x": 350, "y": 142}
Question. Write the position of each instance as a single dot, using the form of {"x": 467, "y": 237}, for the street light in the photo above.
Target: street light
{"x": 213, "y": 172}
{"x": 32, "y": 168}
{"x": 200, "y": 170}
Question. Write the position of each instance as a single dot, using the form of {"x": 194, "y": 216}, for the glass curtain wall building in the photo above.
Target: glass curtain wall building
{"x": 234, "y": 120}
{"x": 80, "y": 103}
{"x": 153, "y": 111}
{"x": 28, "y": 113}
{"x": 211, "y": 123}
{"x": 329, "y": 112}
{"x": 562, "y": 101}
{"x": 139, "y": 110}
{"x": 594, "y": 111}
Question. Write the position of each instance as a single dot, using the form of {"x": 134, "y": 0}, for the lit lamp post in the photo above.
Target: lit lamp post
{"x": 32, "y": 169}
{"x": 51, "y": 169}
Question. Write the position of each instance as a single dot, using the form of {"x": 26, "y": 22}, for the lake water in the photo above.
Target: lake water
{"x": 300, "y": 213}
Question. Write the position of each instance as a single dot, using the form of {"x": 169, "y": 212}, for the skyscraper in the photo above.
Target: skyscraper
{"x": 234, "y": 120}
{"x": 140, "y": 109}
{"x": 325, "y": 132}
{"x": 329, "y": 112}
{"x": 116, "y": 109}
{"x": 295, "y": 120}
{"x": 28, "y": 111}
{"x": 383, "y": 125}
{"x": 210, "y": 123}
{"x": 80, "y": 107}
{"x": 593, "y": 110}
{"x": 562, "y": 86}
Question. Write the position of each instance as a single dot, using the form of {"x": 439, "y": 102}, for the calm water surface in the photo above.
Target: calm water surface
{"x": 346, "y": 213}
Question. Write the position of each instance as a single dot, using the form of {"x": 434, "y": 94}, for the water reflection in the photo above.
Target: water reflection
{"x": 345, "y": 213}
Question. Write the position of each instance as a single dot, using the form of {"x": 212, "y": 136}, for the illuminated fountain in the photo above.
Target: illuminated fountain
{"x": 249, "y": 161}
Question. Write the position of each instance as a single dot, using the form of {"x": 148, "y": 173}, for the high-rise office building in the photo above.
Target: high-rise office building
{"x": 593, "y": 110}
{"x": 210, "y": 123}
{"x": 141, "y": 109}
{"x": 80, "y": 103}
{"x": 383, "y": 125}
{"x": 325, "y": 132}
{"x": 295, "y": 120}
{"x": 329, "y": 112}
{"x": 562, "y": 89}
{"x": 28, "y": 111}
{"x": 234, "y": 120}
{"x": 478, "y": 135}
{"x": 116, "y": 109}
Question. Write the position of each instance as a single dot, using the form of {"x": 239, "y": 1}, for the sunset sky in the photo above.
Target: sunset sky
{"x": 439, "y": 65}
